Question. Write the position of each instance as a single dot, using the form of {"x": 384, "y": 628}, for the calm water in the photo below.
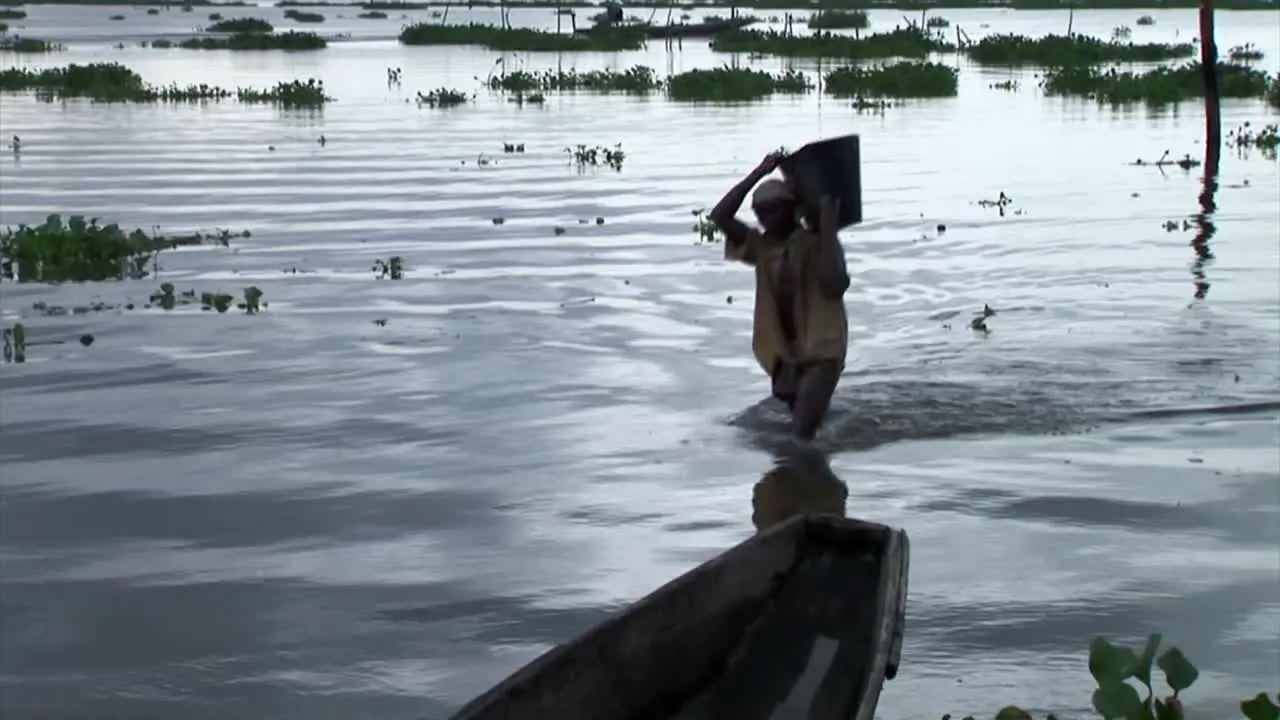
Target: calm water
{"x": 309, "y": 514}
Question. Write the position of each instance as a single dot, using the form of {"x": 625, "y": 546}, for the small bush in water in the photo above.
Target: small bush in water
{"x": 241, "y": 25}
{"x": 520, "y": 39}
{"x": 1161, "y": 86}
{"x": 900, "y": 80}
{"x": 839, "y": 20}
{"x": 900, "y": 43}
{"x": 304, "y": 17}
{"x": 636, "y": 80}
{"x": 728, "y": 84}
{"x": 1065, "y": 51}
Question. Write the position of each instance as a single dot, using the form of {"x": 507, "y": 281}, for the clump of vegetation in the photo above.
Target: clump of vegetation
{"x": 1124, "y": 675}
{"x": 102, "y": 82}
{"x": 1160, "y": 86}
{"x": 241, "y": 25}
{"x": 726, "y": 84}
{"x": 4, "y": 27}
{"x": 303, "y": 17}
{"x": 839, "y": 20}
{"x": 1146, "y": 20}
{"x": 1068, "y": 51}
{"x": 636, "y": 80}
{"x": 15, "y": 343}
{"x": 521, "y": 39}
{"x": 80, "y": 250}
{"x": 1246, "y": 137}
{"x": 12, "y": 14}
{"x": 584, "y": 156}
{"x": 900, "y": 80}
{"x": 372, "y": 15}
{"x": 153, "y": 11}
{"x": 904, "y": 43}
{"x": 292, "y": 94}
{"x": 708, "y": 232}
{"x": 291, "y": 41}
{"x": 1273, "y": 93}
{"x": 443, "y": 98}
{"x": 115, "y": 18}
{"x": 28, "y": 45}
{"x": 937, "y": 22}
{"x": 215, "y": 17}
{"x": 391, "y": 268}
{"x": 1247, "y": 52}
{"x": 167, "y": 297}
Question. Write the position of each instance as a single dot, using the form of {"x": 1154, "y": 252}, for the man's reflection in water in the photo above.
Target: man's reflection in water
{"x": 801, "y": 482}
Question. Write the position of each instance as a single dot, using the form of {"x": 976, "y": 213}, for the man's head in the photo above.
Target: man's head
{"x": 775, "y": 206}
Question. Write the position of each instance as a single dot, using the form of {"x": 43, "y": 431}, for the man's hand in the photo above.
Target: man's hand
{"x": 771, "y": 162}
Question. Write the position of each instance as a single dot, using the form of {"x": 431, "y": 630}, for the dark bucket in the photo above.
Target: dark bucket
{"x": 829, "y": 167}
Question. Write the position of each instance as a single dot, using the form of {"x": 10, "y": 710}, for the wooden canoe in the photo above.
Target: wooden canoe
{"x": 803, "y": 621}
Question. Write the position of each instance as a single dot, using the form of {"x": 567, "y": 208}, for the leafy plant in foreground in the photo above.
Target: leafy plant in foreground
{"x": 1113, "y": 667}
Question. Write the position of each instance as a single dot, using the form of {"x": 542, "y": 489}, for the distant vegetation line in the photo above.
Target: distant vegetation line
{"x": 1273, "y": 5}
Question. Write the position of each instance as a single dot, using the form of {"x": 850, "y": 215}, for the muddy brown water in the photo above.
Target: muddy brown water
{"x": 378, "y": 497}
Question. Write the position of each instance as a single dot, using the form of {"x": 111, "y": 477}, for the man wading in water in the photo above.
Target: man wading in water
{"x": 801, "y": 331}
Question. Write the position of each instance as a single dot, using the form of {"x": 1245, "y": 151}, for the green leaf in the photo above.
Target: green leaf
{"x": 1013, "y": 712}
{"x": 1118, "y": 700}
{"x": 1260, "y": 708}
{"x": 1110, "y": 664}
{"x": 1142, "y": 668}
{"x": 1169, "y": 709}
{"x": 1178, "y": 670}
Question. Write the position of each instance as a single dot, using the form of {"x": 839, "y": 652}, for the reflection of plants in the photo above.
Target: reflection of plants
{"x": 1113, "y": 667}
{"x": 584, "y": 156}
{"x": 392, "y": 268}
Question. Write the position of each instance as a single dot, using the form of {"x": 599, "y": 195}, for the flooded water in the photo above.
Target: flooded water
{"x": 378, "y": 497}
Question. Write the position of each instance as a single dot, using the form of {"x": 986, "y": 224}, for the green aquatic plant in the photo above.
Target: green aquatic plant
{"x": 937, "y": 22}
{"x": 726, "y": 84}
{"x": 303, "y": 17}
{"x": 372, "y": 15}
{"x": 4, "y": 27}
{"x": 586, "y": 156}
{"x": 215, "y": 17}
{"x": 513, "y": 148}
{"x": 636, "y": 80}
{"x": 1247, "y": 137}
{"x": 521, "y": 39}
{"x": 291, "y": 41}
{"x": 1146, "y": 20}
{"x": 112, "y": 82}
{"x": 153, "y": 11}
{"x": 292, "y": 94}
{"x": 392, "y": 268}
{"x": 900, "y": 80}
{"x": 1065, "y": 51}
{"x": 167, "y": 297}
{"x": 707, "y": 231}
{"x": 1160, "y": 86}
{"x": 902, "y": 42}
{"x": 115, "y": 18}
{"x": 1247, "y": 52}
{"x": 12, "y": 14}
{"x": 839, "y": 20}
{"x": 241, "y": 25}
{"x": 18, "y": 44}
{"x": 1273, "y": 93}
{"x": 84, "y": 250}
{"x": 443, "y": 98}
{"x": 1127, "y": 685}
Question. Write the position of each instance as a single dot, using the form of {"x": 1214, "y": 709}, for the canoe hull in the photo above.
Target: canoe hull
{"x": 806, "y": 616}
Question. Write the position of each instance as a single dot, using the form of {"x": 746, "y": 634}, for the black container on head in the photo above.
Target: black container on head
{"x": 829, "y": 167}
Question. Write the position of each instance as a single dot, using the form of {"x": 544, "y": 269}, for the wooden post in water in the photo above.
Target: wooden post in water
{"x": 1212, "y": 109}
{"x": 1205, "y": 227}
